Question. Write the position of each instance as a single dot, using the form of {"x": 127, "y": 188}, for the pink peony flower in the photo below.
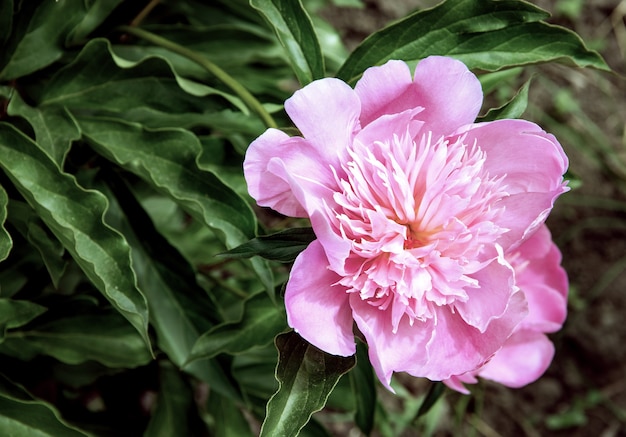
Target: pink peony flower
{"x": 418, "y": 213}
{"x": 526, "y": 355}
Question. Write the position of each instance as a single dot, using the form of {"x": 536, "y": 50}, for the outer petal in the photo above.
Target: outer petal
{"x": 523, "y": 359}
{"x": 267, "y": 188}
{"x": 543, "y": 281}
{"x": 533, "y": 164}
{"x": 384, "y": 90}
{"x": 286, "y": 174}
{"x": 317, "y": 308}
{"x": 388, "y": 351}
{"x": 489, "y": 301}
{"x": 457, "y": 348}
{"x": 449, "y": 92}
{"x": 327, "y": 113}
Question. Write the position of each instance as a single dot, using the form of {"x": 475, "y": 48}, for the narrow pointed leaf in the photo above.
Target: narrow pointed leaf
{"x": 262, "y": 320}
{"x": 363, "y": 384}
{"x": 15, "y": 313}
{"x": 5, "y": 238}
{"x": 228, "y": 420}
{"x": 23, "y": 416}
{"x": 174, "y": 405}
{"x": 484, "y": 34}
{"x": 54, "y": 127}
{"x": 514, "y": 108}
{"x": 306, "y": 376}
{"x": 179, "y": 309}
{"x": 43, "y": 41}
{"x": 283, "y": 246}
{"x": 167, "y": 159}
{"x": 28, "y": 223}
{"x": 437, "y": 389}
{"x": 296, "y": 33}
{"x": 75, "y": 216}
{"x": 106, "y": 338}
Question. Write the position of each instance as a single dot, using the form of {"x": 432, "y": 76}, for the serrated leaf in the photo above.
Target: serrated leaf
{"x": 5, "y": 238}
{"x": 106, "y": 338}
{"x": 306, "y": 376}
{"x": 75, "y": 216}
{"x": 262, "y": 320}
{"x": 283, "y": 246}
{"x": 514, "y": 108}
{"x": 363, "y": 384}
{"x": 54, "y": 127}
{"x": 296, "y": 33}
{"x": 484, "y": 34}
{"x": 15, "y": 313}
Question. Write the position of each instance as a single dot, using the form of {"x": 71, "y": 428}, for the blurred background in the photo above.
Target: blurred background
{"x": 584, "y": 391}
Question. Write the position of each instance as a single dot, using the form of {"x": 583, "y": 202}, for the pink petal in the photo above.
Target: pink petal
{"x": 388, "y": 351}
{"x": 318, "y": 309}
{"x": 490, "y": 300}
{"x": 327, "y": 113}
{"x": 533, "y": 163}
{"x": 384, "y": 90}
{"x": 543, "y": 281}
{"x": 267, "y": 188}
{"x": 523, "y": 359}
{"x": 457, "y": 347}
{"x": 286, "y": 174}
{"x": 449, "y": 92}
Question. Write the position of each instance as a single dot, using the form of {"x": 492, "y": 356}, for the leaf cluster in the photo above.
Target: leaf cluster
{"x": 139, "y": 287}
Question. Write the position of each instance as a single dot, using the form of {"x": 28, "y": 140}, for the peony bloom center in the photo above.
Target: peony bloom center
{"x": 421, "y": 216}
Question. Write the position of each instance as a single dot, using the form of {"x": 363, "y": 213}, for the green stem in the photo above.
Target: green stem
{"x": 251, "y": 102}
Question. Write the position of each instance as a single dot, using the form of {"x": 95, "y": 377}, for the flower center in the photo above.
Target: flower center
{"x": 421, "y": 216}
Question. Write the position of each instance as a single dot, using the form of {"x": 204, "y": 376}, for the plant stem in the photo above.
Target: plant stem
{"x": 251, "y": 102}
{"x": 144, "y": 13}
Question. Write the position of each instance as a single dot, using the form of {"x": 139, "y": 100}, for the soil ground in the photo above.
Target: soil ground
{"x": 583, "y": 393}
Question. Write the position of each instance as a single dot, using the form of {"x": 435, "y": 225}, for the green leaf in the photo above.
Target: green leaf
{"x": 437, "y": 389}
{"x": 97, "y": 12}
{"x": 54, "y": 127}
{"x": 306, "y": 376}
{"x": 167, "y": 159}
{"x": 98, "y": 81}
{"x": 6, "y": 20}
{"x": 296, "y": 33}
{"x": 179, "y": 309}
{"x": 5, "y": 238}
{"x": 262, "y": 320}
{"x": 484, "y": 34}
{"x": 363, "y": 384}
{"x": 21, "y": 418}
{"x": 43, "y": 39}
{"x": 106, "y": 338}
{"x": 75, "y": 216}
{"x": 514, "y": 108}
{"x": 228, "y": 419}
{"x": 15, "y": 313}
{"x": 174, "y": 405}
{"x": 28, "y": 223}
{"x": 283, "y": 246}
